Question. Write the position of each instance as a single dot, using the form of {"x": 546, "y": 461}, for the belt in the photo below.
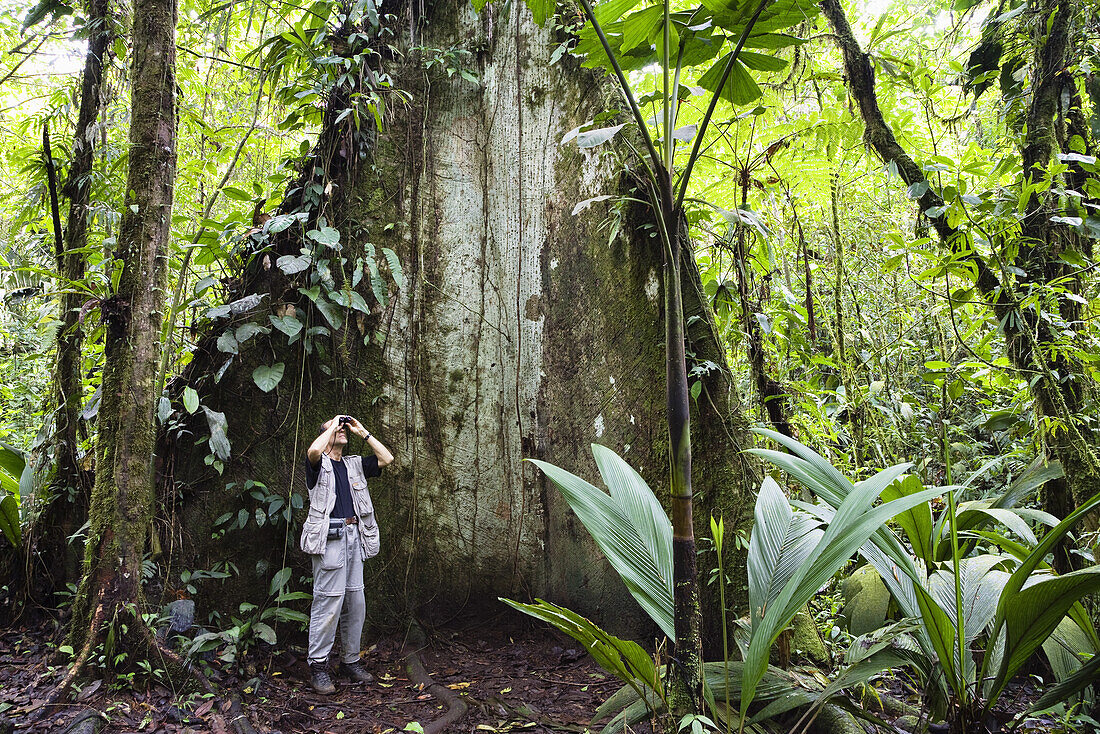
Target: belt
{"x": 343, "y": 520}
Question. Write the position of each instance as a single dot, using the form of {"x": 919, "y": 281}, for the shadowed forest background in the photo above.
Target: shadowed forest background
{"x": 809, "y": 288}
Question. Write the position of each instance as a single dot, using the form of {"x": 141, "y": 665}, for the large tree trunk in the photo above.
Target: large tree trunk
{"x": 122, "y": 498}
{"x": 521, "y": 330}
{"x": 63, "y": 501}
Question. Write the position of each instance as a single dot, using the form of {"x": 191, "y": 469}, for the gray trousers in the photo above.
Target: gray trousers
{"x": 338, "y": 595}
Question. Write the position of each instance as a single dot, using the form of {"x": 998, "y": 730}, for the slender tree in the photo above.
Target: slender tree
{"x": 65, "y": 504}
{"x": 123, "y": 496}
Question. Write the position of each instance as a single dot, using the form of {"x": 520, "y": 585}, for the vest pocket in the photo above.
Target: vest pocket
{"x": 313, "y": 534}
{"x": 334, "y": 555}
{"x": 372, "y": 542}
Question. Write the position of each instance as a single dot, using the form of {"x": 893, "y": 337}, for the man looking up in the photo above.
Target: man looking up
{"x": 340, "y": 533}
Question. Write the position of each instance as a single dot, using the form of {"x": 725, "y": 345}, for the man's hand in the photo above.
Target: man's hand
{"x": 385, "y": 458}
{"x": 357, "y": 427}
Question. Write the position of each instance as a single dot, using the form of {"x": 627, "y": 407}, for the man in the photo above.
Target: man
{"x": 340, "y": 533}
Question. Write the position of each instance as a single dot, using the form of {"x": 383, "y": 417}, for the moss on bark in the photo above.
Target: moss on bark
{"x": 122, "y": 502}
{"x": 521, "y": 330}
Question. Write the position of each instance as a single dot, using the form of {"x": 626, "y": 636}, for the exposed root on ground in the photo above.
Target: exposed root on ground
{"x": 456, "y": 707}
{"x": 237, "y": 718}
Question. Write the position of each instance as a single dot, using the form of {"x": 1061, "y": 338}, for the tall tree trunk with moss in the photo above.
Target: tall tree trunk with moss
{"x": 523, "y": 326}
{"x": 1061, "y": 385}
{"x": 123, "y": 498}
{"x": 64, "y": 501}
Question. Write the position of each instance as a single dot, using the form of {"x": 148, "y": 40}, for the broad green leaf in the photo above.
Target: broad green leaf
{"x": 330, "y": 312}
{"x": 327, "y": 236}
{"x": 1035, "y": 616}
{"x": 227, "y": 343}
{"x": 623, "y": 658}
{"x": 854, "y": 523}
{"x": 190, "y": 399}
{"x": 245, "y": 332}
{"x": 1032, "y": 614}
{"x": 289, "y": 325}
{"x": 9, "y": 520}
{"x": 761, "y": 62}
{"x": 982, "y": 583}
{"x": 278, "y": 581}
{"x": 917, "y": 522}
{"x": 43, "y": 8}
{"x": 773, "y": 41}
{"x": 640, "y": 506}
{"x": 1087, "y": 675}
{"x": 641, "y": 567}
{"x": 377, "y": 285}
{"x": 232, "y": 192}
{"x": 293, "y": 264}
{"x": 394, "y": 262}
{"x": 287, "y": 596}
{"x": 264, "y": 632}
{"x": 1067, "y": 648}
{"x": 542, "y": 10}
{"x": 279, "y": 223}
{"x": 610, "y": 11}
{"x": 12, "y": 461}
{"x": 637, "y": 27}
{"x": 267, "y": 378}
{"x": 592, "y": 138}
{"x": 1036, "y": 475}
{"x": 740, "y": 88}
{"x": 780, "y": 543}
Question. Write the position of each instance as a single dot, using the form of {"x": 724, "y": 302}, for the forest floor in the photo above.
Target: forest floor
{"x": 511, "y": 680}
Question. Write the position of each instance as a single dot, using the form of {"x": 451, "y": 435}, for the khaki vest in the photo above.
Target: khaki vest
{"x": 322, "y": 498}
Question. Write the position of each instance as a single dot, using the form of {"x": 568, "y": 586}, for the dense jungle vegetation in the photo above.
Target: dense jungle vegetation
{"x": 844, "y": 250}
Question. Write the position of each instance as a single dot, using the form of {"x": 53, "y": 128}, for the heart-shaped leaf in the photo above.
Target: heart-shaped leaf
{"x": 266, "y": 378}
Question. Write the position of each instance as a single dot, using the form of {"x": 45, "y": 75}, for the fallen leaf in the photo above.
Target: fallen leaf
{"x": 459, "y": 686}
{"x": 89, "y": 690}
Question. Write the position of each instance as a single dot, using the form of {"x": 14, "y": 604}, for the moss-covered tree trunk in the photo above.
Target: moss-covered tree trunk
{"x": 122, "y": 498}
{"x": 521, "y": 329}
{"x": 62, "y": 506}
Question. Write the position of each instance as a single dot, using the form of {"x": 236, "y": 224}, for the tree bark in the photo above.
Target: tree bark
{"x": 63, "y": 502}
{"x": 1062, "y": 386}
{"x": 122, "y": 497}
{"x": 521, "y": 330}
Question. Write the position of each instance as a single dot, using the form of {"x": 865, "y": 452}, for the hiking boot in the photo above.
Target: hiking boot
{"x": 320, "y": 679}
{"x": 356, "y": 672}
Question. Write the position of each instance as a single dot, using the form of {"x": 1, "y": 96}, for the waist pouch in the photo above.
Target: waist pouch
{"x": 335, "y": 529}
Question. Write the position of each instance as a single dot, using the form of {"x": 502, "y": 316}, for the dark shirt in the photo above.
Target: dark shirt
{"x": 343, "y": 506}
